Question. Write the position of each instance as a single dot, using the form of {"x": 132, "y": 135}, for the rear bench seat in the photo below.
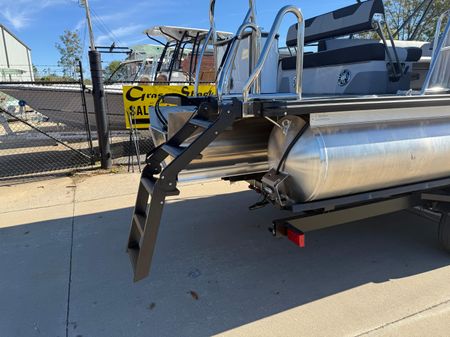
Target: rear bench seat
{"x": 353, "y": 19}
{"x": 354, "y": 54}
{"x": 364, "y": 60}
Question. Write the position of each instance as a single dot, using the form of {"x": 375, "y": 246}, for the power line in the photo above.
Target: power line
{"x": 107, "y": 31}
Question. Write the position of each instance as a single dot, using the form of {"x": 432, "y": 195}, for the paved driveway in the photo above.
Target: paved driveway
{"x": 217, "y": 270}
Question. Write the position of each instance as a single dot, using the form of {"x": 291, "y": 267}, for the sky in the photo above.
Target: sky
{"x": 39, "y": 23}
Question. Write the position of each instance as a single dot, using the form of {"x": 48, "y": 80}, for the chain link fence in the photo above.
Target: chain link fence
{"x": 128, "y": 147}
{"x": 42, "y": 129}
{"x": 48, "y": 126}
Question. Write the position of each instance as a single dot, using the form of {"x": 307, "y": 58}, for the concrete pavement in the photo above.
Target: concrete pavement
{"x": 217, "y": 270}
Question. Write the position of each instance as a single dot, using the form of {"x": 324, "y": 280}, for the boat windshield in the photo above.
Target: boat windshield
{"x": 179, "y": 59}
{"x": 180, "y": 62}
{"x": 133, "y": 71}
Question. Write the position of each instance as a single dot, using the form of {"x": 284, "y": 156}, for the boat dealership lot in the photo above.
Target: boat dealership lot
{"x": 217, "y": 270}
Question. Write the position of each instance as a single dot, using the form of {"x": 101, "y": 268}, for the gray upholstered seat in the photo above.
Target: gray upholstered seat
{"x": 325, "y": 29}
{"x": 353, "y": 54}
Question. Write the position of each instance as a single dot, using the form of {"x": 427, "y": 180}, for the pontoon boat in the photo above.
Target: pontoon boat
{"x": 358, "y": 128}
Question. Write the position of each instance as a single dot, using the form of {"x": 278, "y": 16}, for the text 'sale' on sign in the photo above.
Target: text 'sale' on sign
{"x": 139, "y": 98}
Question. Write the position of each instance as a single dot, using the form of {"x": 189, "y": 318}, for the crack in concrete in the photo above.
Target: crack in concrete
{"x": 69, "y": 285}
{"x": 35, "y": 208}
{"x": 381, "y": 327}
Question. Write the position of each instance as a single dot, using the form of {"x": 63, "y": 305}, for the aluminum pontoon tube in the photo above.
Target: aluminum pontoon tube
{"x": 332, "y": 161}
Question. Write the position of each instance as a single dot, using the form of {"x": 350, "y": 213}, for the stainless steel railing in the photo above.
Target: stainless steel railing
{"x": 212, "y": 37}
{"x": 223, "y": 83}
{"x": 256, "y": 74}
{"x": 438, "y": 77}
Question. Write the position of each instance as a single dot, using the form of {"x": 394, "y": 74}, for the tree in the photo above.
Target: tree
{"x": 35, "y": 72}
{"x": 71, "y": 51}
{"x": 398, "y": 12}
{"x": 111, "y": 68}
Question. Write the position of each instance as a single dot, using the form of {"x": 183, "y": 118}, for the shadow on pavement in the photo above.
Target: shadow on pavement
{"x": 217, "y": 267}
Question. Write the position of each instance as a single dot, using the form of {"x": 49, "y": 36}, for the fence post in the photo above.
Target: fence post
{"x": 101, "y": 119}
{"x": 86, "y": 113}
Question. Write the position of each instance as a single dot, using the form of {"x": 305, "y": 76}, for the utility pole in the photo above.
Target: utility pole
{"x": 98, "y": 93}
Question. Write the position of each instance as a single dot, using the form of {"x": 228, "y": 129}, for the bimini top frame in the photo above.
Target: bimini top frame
{"x": 177, "y": 38}
{"x": 174, "y": 33}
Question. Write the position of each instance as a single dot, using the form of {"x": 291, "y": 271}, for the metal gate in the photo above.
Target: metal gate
{"x": 47, "y": 130}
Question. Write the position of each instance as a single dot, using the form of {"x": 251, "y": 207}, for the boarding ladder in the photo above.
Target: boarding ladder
{"x": 213, "y": 117}
{"x": 156, "y": 184}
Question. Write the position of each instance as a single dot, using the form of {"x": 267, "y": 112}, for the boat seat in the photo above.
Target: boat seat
{"x": 349, "y": 20}
{"x": 353, "y": 54}
{"x": 325, "y": 29}
{"x": 347, "y": 66}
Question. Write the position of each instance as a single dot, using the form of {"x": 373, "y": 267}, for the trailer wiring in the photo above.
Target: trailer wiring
{"x": 290, "y": 147}
{"x": 159, "y": 114}
{"x": 161, "y": 118}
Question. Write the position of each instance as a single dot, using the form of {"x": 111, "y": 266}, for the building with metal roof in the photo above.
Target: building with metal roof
{"x": 15, "y": 58}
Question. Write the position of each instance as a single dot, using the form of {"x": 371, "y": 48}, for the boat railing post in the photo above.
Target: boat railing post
{"x": 255, "y": 45}
{"x": 256, "y": 74}
{"x": 200, "y": 61}
{"x": 223, "y": 83}
{"x": 437, "y": 50}
{"x": 212, "y": 36}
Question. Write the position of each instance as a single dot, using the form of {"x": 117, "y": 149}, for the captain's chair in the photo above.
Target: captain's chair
{"x": 347, "y": 65}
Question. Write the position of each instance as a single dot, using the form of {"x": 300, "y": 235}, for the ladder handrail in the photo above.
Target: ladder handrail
{"x": 256, "y": 74}
{"x": 200, "y": 61}
{"x": 212, "y": 35}
{"x": 223, "y": 80}
{"x": 437, "y": 49}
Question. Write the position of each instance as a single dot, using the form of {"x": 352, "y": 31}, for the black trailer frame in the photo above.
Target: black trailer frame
{"x": 431, "y": 195}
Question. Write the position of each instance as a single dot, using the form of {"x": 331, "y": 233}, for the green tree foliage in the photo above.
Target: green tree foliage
{"x": 70, "y": 50}
{"x": 111, "y": 68}
{"x": 398, "y": 11}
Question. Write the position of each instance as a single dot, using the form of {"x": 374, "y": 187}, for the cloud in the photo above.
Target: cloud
{"x": 80, "y": 24}
{"x": 20, "y": 13}
{"x": 118, "y": 23}
{"x": 119, "y": 32}
{"x": 17, "y": 20}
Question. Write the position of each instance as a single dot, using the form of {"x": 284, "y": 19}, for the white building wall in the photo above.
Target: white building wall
{"x": 14, "y": 55}
{"x": 3, "y": 60}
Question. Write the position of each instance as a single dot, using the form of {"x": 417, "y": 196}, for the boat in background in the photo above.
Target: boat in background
{"x": 63, "y": 102}
{"x": 171, "y": 61}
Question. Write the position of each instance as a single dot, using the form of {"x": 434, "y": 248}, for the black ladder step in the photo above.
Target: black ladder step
{"x": 203, "y": 123}
{"x": 175, "y": 192}
{"x": 148, "y": 183}
{"x": 139, "y": 220}
{"x": 173, "y": 151}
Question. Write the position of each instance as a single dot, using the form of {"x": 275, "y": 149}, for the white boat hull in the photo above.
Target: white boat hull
{"x": 64, "y": 104}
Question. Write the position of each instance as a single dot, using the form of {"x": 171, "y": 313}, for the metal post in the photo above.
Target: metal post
{"x": 85, "y": 3}
{"x": 98, "y": 92}
{"x": 86, "y": 113}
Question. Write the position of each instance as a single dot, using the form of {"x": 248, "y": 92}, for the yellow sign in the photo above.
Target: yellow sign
{"x": 138, "y": 99}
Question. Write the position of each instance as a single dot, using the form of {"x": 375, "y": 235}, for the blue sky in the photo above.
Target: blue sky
{"x": 40, "y": 22}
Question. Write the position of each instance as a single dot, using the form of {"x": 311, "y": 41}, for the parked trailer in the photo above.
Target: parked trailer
{"x": 363, "y": 142}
